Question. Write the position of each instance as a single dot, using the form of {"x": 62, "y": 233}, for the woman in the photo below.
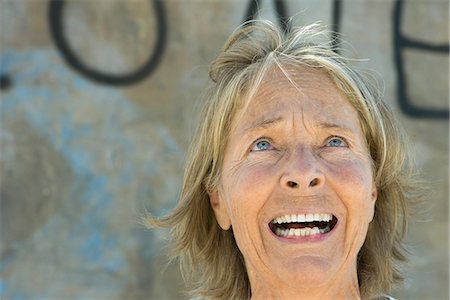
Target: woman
{"x": 296, "y": 178}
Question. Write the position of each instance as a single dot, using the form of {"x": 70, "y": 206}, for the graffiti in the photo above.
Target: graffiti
{"x": 93, "y": 167}
{"x": 402, "y": 42}
{"x": 5, "y": 82}
{"x": 336, "y": 21}
{"x": 282, "y": 16}
{"x": 280, "y": 8}
{"x": 56, "y": 17}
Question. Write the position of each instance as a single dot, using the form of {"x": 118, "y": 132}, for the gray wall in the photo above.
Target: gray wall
{"x": 80, "y": 161}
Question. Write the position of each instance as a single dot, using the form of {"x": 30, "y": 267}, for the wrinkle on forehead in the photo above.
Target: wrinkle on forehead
{"x": 299, "y": 77}
{"x": 302, "y": 83}
{"x": 307, "y": 83}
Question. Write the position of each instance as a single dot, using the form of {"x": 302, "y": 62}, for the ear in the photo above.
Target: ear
{"x": 373, "y": 199}
{"x": 220, "y": 209}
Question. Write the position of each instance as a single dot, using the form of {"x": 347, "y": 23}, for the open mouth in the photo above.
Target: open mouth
{"x": 303, "y": 224}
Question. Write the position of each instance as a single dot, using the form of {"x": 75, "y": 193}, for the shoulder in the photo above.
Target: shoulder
{"x": 384, "y": 297}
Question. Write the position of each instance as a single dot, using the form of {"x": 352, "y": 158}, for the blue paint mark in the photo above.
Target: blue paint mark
{"x": 151, "y": 167}
{"x": 67, "y": 131}
{"x": 168, "y": 139}
{"x": 52, "y": 98}
{"x": 116, "y": 265}
{"x": 97, "y": 186}
{"x": 92, "y": 248}
{"x": 19, "y": 296}
{"x": 127, "y": 174}
{"x": 3, "y": 288}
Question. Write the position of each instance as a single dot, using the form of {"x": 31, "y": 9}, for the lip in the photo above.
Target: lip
{"x": 305, "y": 239}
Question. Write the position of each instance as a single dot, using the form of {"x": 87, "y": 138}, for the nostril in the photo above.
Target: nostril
{"x": 314, "y": 182}
{"x": 292, "y": 184}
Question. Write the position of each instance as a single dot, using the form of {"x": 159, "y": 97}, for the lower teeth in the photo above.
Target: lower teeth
{"x": 300, "y": 231}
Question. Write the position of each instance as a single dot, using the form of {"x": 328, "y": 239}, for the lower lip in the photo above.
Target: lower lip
{"x": 305, "y": 239}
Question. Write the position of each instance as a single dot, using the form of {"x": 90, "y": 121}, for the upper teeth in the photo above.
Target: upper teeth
{"x": 324, "y": 217}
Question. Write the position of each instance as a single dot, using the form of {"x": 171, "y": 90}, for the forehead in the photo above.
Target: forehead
{"x": 310, "y": 90}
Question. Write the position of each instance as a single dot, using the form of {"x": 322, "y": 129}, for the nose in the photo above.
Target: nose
{"x": 302, "y": 171}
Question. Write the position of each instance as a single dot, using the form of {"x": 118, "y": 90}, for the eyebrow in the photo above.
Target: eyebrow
{"x": 328, "y": 125}
{"x": 264, "y": 123}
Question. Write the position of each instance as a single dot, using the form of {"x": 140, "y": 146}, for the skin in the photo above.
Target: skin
{"x": 313, "y": 158}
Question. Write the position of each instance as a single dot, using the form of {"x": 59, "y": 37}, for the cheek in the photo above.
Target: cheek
{"x": 353, "y": 181}
{"x": 246, "y": 197}
{"x": 248, "y": 189}
{"x": 354, "y": 187}
{"x": 252, "y": 179}
{"x": 353, "y": 173}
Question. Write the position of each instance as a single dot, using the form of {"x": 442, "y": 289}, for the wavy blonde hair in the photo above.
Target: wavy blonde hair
{"x": 211, "y": 263}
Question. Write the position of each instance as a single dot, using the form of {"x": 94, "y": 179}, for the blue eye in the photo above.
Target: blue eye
{"x": 336, "y": 142}
{"x": 262, "y": 145}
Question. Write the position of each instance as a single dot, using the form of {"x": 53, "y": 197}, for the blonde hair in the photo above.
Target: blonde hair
{"x": 210, "y": 260}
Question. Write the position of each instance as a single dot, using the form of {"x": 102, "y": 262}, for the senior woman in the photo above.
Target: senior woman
{"x": 297, "y": 178}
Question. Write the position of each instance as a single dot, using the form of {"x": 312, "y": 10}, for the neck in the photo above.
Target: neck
{"x": 340, "y": 287}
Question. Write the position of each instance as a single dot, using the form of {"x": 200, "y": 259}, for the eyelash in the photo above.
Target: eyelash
{"x": 261, "y": 139}
{"x": 265, "y": 139}
{"x": 344, "y": 141}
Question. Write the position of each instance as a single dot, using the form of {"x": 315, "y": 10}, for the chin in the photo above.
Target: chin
{"x": 307, "y": 270}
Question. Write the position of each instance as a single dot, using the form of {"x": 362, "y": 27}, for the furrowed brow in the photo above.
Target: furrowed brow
{"x": 328, "y": 125}
{"x": 262, "y": 123}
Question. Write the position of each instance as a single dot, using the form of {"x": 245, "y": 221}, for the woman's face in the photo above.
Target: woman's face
{"x": 297, "y": 188}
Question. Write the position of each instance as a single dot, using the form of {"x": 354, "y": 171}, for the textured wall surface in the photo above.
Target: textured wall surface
{"x": 81, "y": 159}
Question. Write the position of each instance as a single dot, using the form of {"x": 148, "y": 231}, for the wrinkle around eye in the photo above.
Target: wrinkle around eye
{"x": 344, "y": 143}
{"x": 264, "y": 142}
{"x": 241, "y": 164}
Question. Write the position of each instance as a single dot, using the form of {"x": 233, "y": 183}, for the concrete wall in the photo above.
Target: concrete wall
{"x": 80, "y": 160}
